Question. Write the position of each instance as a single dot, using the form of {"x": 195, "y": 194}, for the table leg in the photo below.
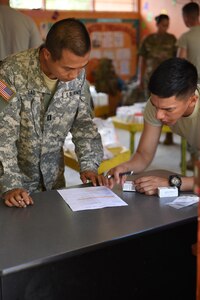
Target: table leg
{"x": 132, "y": 141}
{"x": 183, "y": 156}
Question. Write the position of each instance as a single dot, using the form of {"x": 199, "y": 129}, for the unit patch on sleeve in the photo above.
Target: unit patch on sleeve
{"x": 5, "y": 91}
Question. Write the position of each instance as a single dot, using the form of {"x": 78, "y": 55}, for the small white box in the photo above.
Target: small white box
{"x": 171, "y": 191}
{"x": 128, "y": 186}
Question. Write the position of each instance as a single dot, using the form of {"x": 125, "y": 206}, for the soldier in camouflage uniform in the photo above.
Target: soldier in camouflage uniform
{"x": 43, "y": 96}
{"x": 155, "y": 48}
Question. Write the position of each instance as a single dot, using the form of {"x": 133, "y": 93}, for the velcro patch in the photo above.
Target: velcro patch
{"x": 5, "y": 91}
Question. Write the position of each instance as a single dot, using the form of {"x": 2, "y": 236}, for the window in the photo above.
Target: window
{"x": 20, "y": 4}
{"x": 85, "y": 5}
{"x": 69, "y": 5}
{"x": 116, "y": 5}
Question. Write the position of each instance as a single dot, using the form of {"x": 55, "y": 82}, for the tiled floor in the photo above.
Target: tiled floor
{"x": 167, "y": 157}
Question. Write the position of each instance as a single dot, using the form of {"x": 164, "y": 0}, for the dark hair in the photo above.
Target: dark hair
{"x": 160, "y": 18}
{"x": 68, "y": 34}
{"x": 174, "y": 77}
{"x": 191, "y": 9}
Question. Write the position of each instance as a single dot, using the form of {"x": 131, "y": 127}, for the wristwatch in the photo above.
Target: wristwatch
{"x": 175, "y": 180}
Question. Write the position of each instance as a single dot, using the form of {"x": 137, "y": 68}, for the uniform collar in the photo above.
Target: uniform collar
{"x": 35, "y": 78}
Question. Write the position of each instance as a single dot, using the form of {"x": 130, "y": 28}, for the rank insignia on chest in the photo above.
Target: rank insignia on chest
{"x": 5, "y": 91}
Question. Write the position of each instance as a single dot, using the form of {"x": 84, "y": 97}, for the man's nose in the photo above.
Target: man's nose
{"x": 160, "y": 114}
{"x": 74, "y": 73}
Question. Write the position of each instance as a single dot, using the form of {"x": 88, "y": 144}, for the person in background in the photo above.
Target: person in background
{"x": 44, "y": 95}
{"x": 175, "y": 102}
{"x": 189, "y": 48}
{"x": 154, "y": 49}
{"x": 107, "y": 81}
{"x": 18, "y": 32}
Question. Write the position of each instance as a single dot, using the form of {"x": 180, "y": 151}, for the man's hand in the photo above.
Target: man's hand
{"x": 116, "y": 178}
{"x": 94, "y": 178}
{"x": 17, "y": 197}
{"x": 149, "y": 184}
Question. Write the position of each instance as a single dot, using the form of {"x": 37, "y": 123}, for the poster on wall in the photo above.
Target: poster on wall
{"x": 116, "y": 41}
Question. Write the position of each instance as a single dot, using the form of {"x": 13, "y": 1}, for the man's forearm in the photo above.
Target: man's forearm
{"x": 187, "y": 183}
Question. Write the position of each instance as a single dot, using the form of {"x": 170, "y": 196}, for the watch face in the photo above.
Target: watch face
{"x": 175, "y": 181}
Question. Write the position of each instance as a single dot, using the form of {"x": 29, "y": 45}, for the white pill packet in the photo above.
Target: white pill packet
{"x": 128, "y": 186}
{"x": 171, "y": 191}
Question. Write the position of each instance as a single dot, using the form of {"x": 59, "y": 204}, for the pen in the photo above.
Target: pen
{"x": 121, "y": 174}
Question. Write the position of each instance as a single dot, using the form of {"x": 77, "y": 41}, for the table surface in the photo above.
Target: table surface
{"x": 50, "y": 230}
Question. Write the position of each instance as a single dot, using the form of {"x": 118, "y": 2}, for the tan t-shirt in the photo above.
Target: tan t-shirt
{"x": 18, "y": 32}
{"x": 187, "y": 127}
{"x": 51, "y": 84}
{"x": 191, "y": 42}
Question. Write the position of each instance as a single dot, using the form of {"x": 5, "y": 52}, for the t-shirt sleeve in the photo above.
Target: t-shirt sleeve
{"x": 182, "y": 41}
{"x": 35, "y": 37}
{"x": 150, "y": 114}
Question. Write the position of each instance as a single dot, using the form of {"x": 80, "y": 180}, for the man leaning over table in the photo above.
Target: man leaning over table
{"x": 174, "y": 101}
{"x": 43, "y": 96}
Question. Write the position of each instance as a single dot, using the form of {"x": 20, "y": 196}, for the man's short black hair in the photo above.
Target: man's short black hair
{"x": 174, "y": 77}
{"x": 191, "y": 9}
{"x": 160, "y": 18}
{"x": 70, "y": 34}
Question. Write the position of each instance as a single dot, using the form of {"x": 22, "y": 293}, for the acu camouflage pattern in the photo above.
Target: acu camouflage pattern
{"x": 155, "y": 49}
{"x": 105, "y": 77}
{"x": 31, "y": 149}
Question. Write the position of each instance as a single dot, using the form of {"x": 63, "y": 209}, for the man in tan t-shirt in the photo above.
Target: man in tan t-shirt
{"x": 189, "y": 48}
{"x": 18, "y": 32}
{"x": 174, "y": 101}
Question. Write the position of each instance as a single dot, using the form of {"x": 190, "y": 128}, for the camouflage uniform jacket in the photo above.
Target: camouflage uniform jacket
{"x": 155, "y": 49}
{"x": 31, "y": 149}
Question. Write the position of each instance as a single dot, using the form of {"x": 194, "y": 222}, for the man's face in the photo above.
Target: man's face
{"x": 67, "y": 67}
{"x": 163, "y": 26}
{"x": 186, "y": 20}
{"x": 170, "y": 110}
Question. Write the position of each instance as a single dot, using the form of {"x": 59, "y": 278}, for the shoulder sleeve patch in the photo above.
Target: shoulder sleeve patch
{"x": 5, "y": 91}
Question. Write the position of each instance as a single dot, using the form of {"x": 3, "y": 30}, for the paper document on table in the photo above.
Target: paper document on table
{"x": 90, "y": 198}
{"x": 183, "y": 201}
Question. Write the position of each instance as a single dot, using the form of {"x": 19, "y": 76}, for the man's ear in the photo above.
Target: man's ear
{"x": 193, "y": 100}
{"x": 46, "y": 54}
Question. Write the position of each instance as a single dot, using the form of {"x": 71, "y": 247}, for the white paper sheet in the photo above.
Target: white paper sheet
{"x": 90, "y": 198}
{"x": 183, "y": 201}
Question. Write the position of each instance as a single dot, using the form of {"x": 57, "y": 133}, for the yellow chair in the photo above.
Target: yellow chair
{"x": 121, "y": 154}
